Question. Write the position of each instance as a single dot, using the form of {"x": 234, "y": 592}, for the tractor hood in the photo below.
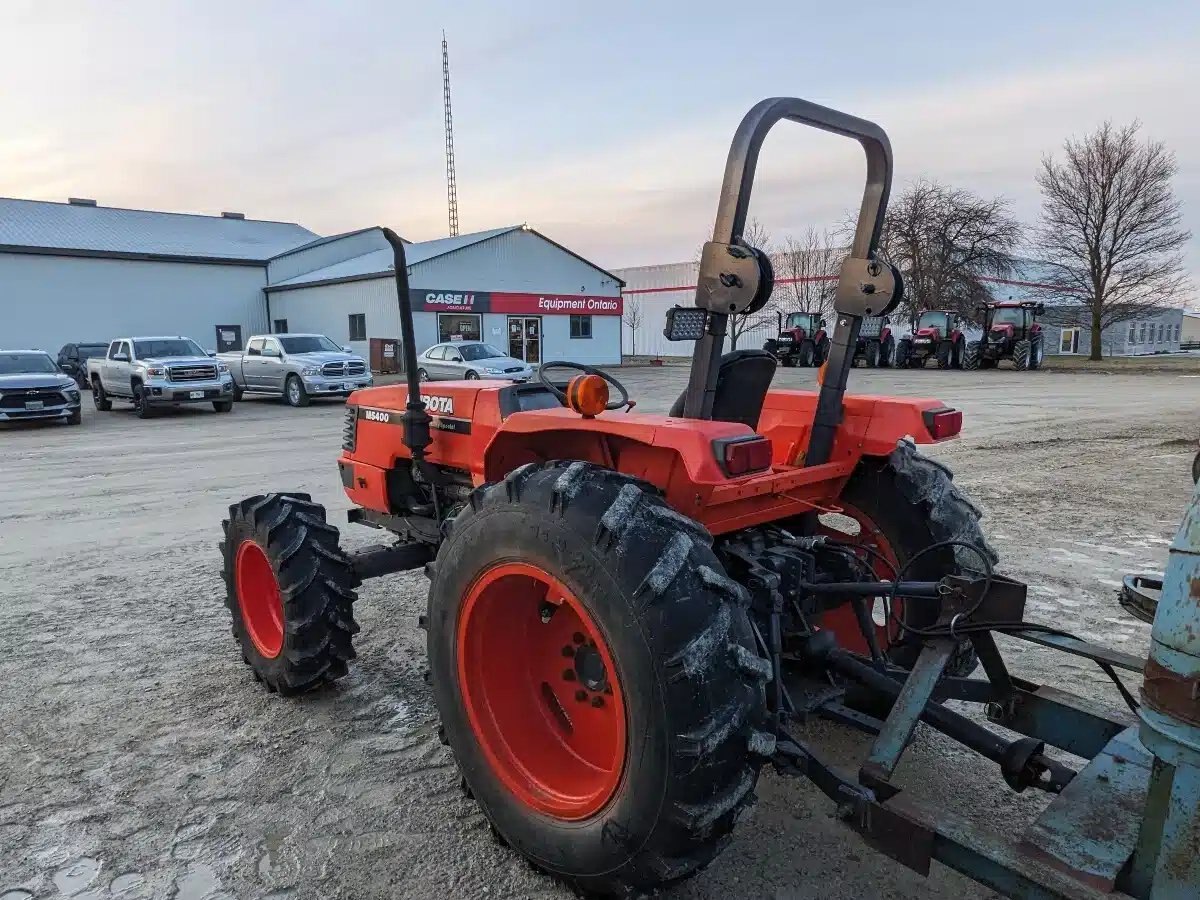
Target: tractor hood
{"x": 999, "y": 332}
{"x": 929, "y": 332}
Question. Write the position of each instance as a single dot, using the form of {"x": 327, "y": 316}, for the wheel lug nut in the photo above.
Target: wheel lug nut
{"x": 578, "y": 638}
{"x": 568, "y": 652}
{"x": 569, "y": 675}
{"x": 581, "y": 695}
{"x": 597, "y": 702}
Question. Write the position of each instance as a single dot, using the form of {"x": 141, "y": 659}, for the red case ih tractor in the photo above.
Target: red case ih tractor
{"x": 1010, "y": 331}
{"x": 802, "y": 341}
{"x": 876, "y": 347}
{"x": 938, "y": 335}
{"x": 630, "y": 614}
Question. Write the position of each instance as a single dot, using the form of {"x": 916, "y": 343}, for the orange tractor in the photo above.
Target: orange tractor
{"x": 630, "y": 614}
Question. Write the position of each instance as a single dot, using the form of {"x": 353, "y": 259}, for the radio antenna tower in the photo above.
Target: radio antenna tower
{"x": 451, "y": 185}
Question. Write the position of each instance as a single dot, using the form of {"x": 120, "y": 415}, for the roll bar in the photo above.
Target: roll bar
{"x": 865, "y": 286}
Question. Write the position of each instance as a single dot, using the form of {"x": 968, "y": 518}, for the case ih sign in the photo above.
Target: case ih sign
{"x": 500, "y": 302}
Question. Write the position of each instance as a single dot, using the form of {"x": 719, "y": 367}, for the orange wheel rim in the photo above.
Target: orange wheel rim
{"x": 841, "y": 621}
{"x": 541, "y": 692}
{"x": 259, "y": 599}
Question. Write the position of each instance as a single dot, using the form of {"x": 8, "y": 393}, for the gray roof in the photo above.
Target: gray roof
{"x": 38, "y": 226}
{"x": 378, "y": 263}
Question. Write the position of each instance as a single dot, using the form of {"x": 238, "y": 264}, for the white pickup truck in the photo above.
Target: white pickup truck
{"x": 297, "y": 367}
{"x": 153, "y": 372}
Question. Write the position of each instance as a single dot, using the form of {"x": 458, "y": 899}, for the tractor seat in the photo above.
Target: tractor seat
{"x": 743, "y": 379}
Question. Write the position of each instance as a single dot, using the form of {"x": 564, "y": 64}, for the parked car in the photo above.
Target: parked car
{"x": 153, "y": 372}
{"x": 470, "y": 359}
{"x": 72, "y": 359}
{"x": 296, "y": 367}
{"x": 32, "y": 386}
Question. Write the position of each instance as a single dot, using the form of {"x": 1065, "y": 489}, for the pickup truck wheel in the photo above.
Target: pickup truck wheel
{"x": 237, "y": 393}
{"x": 140, "y": 406}
{"x": 294, "y": 392}
{"x": 223, "y": 405}
{"x": 99, "y": 397}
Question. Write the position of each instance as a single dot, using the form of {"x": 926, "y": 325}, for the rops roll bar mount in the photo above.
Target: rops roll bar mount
{"x": 866, "y": 286}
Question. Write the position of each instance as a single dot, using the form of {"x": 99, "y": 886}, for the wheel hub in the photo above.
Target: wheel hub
{"x": 540, "y": 691}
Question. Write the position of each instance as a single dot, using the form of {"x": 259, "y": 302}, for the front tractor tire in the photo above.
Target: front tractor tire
{"x": 1022, "y": 355}
{"x": 971, "y": 356}
{"x": 807, "y": 354}
{"x": 290, "y": 590}
{"x": 597, "y": 678}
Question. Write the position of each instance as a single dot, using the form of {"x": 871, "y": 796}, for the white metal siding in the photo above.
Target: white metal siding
{"x": 518, "y": 261}
{"x": 649, "y": 340}
{"x": 333, "y": 251}
{"x": 48, "y": 301}
{"x": 326, "y": 309}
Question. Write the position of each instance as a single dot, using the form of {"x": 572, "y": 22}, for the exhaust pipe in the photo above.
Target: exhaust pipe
{"x": 416, "y": 434}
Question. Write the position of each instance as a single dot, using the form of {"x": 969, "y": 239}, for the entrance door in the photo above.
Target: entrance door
{"x": 1068, "y": 340}
{"x": 525, "y": 338}
{"x": 229, "y": 338}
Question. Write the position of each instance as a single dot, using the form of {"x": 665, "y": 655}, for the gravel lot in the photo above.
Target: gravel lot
{"x": 138, "y": 758}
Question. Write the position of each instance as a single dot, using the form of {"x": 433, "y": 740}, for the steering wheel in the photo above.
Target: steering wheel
{"x": 587, "y": 370}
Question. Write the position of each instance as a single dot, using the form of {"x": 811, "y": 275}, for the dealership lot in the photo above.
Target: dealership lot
{"x": 147, "y": 762}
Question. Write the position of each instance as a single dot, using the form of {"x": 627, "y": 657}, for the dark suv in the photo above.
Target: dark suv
{"x": 72, "y": 359}
{"x": 32, "y": 386}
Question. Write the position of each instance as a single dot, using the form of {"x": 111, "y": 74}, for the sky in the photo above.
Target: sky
{"x": 605, "y": 126}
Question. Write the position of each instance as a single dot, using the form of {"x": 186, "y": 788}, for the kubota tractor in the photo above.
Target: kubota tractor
{"x": 1010, "y": 331}
{"x": 936, "y": 334}
{"x": 630, "y": 614}
{"x": 802, "y": 341}
{"x": 876, "y": 347}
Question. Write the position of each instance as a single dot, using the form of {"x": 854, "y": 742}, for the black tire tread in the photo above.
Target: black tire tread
{"x": 316, "y": 582}
{"x": 667, "y": 562}
{"x": 1021, "y": 355}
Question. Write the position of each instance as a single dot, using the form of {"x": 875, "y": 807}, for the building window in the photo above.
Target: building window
{"x": 1161, "y": 329}
{"x": 1177, "y": 332}
{"x": 280, "y": 326}
{"x": 459, "y": 327}
{"x": 1132, "y": 333}
{"x": 1068, "y": 340}
{"x": 1142, "y": 339}
{"x": 581, "y": 326}
{"x": 358, "y": 326}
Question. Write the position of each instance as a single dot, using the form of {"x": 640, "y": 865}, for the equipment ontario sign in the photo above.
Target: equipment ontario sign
{"x": 427, "y": 300}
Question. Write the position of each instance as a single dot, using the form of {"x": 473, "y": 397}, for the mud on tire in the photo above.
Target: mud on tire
{"x": 315, "y": 584}
{"x": 692, "y": 683}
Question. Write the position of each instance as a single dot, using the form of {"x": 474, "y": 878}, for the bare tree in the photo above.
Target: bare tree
{"x": 806, "y": 272}
{"x": 946, "y": 241}
{"x": 632, "y": 317}
{"x": 1110, "y": 235}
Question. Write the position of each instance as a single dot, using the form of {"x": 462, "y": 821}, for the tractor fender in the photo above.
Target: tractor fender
{"x": 1035, "y": 328}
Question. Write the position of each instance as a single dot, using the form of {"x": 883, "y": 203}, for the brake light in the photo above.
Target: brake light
{"x": 741, "y": 456}
{"x": 943, "y": 422}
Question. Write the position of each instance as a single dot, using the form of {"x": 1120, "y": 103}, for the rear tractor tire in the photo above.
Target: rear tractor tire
{"x": 1022, "y": 353}
{"x": 789, "y": 361}
{"x": 903, "y": 355}
{"x": 290, "y": 590}
{"x": 597, "y": 678}
{"x": 1037, "y": 351}
{"x": 945, "y": 355}
{"x": 807, "y": 354}
{"x": 887, "y": 352}
{"x": 971, "y": 355}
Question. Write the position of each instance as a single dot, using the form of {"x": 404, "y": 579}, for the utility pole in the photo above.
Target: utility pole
{"x": 451, "y": 185}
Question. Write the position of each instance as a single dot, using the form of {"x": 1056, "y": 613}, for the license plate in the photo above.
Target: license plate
{"x": 34, "y": 404}
{"x": 196, "y": 395}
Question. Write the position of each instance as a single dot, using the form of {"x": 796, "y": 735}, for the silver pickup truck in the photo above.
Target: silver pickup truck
{"x": 153, "y": 372}
{"x": 296, "y": 367}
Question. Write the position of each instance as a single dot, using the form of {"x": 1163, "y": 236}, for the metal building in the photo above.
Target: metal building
{"x": 512, "y": 287}
{"x": 80, "y": 272}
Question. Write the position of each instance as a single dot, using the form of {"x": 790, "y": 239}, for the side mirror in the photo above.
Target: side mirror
{"x": 1040, "y": 309}
{"x": 212, "y": 353}
{"x": 347, "y": 349}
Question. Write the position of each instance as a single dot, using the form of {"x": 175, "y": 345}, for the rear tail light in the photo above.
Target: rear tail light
{"x": 943, "y": 422}
{"x": 743, "y": 455}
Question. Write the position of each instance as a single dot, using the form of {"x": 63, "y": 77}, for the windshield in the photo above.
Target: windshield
{"x": 932, "y": 320}
{"x": 87, "y": 351}
{"x": 161, "y": 347}
{"x": 313, "y": 343}
{"x": 1008, "y": 315}
{"x": 800, "y": 320}
{"x": 472, "y": 352}
{"x": 26, "y": 363}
